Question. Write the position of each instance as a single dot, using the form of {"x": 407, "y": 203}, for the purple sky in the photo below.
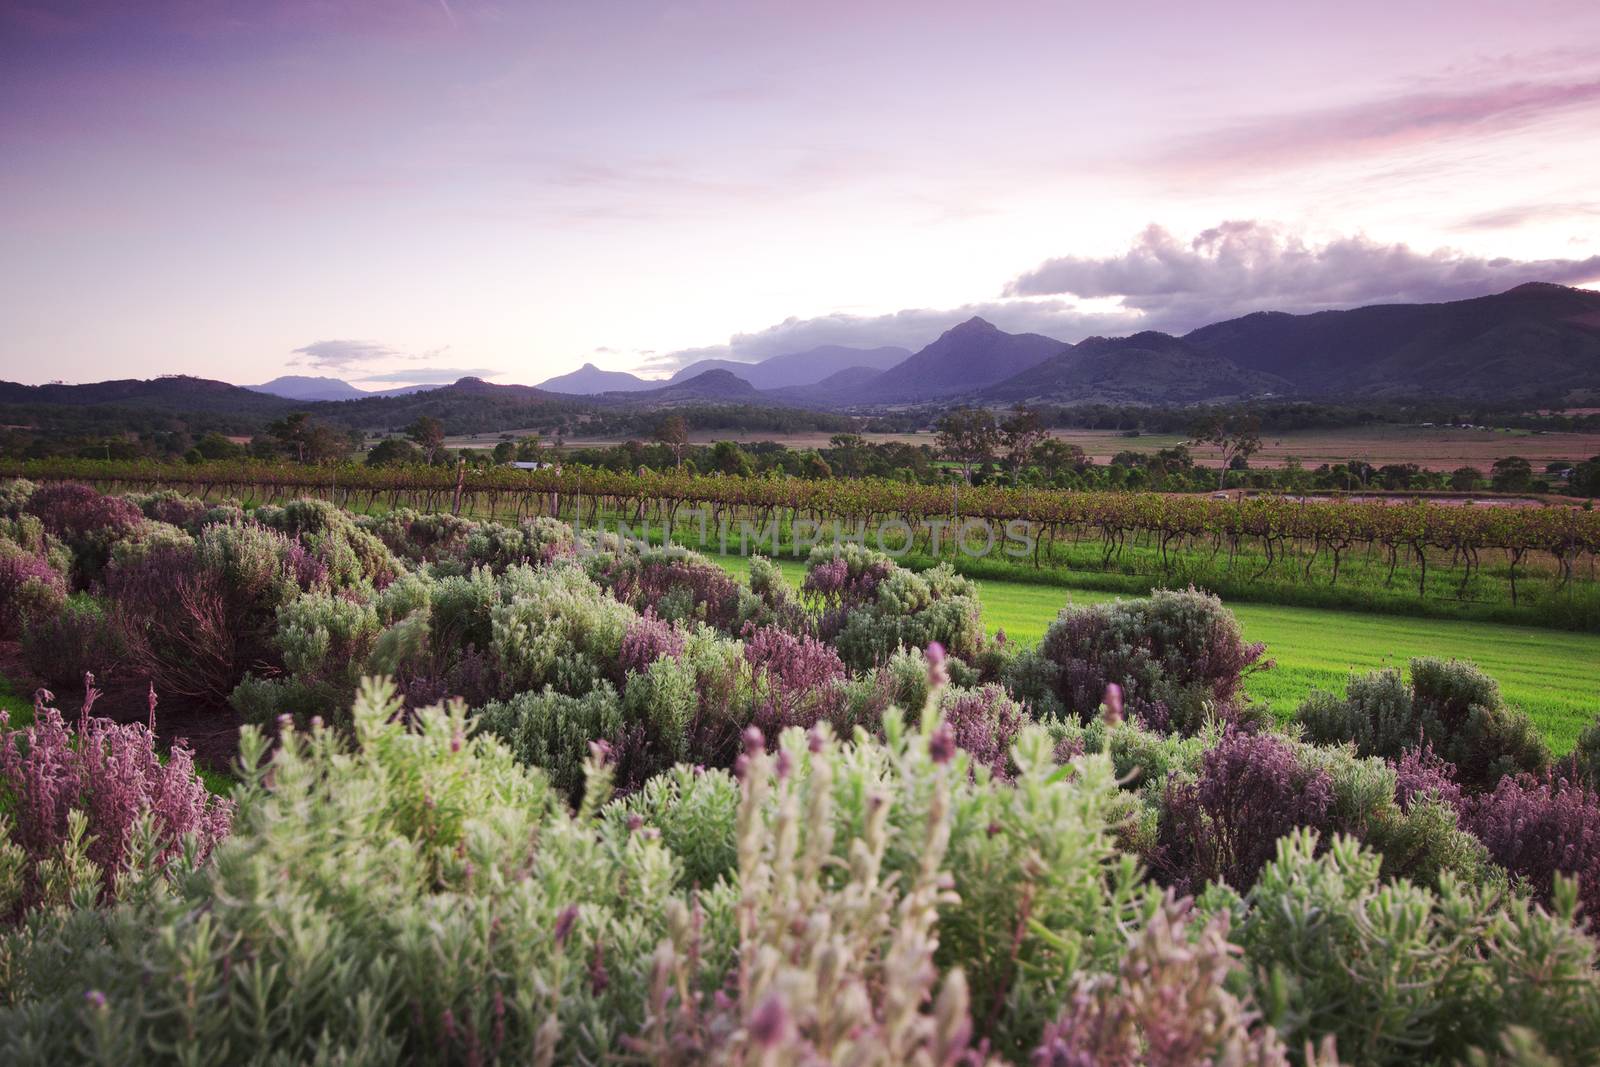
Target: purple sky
{"x": 416, "y": 189}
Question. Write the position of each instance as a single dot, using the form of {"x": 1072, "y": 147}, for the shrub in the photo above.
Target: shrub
{"x": 324, "y": 642}
{"x": 173, "y": 509}
{"x": 76, "y": 801}
{"x": 1225, "y": 825}
{"x": 1168, "y": 1005}
{"x": 985, "y": 723}
{"x": 779, "y": 607}
{"x": 14, "y": 496}
{"x": 478, "y": 920}
{"x": 90, "y": 524}
{"x": 198, "y": 613}
{"x": 351, "y": 555}
{"x": 1179, "y": 657}
{"x": 696, "y": 813}
{"x": 871, "y": 607}
{"x": 1451, "y": 707}
{"x": 678, "y": 585}
{"x": 79, "y": 637}
{"x": 425, "y": 538}
{"x": 648, "y": 638}
{"x": 799, "y": 680}
{"x": 76, "y": 513}
{"x": 1399, "y": 973}
{"x": 1418, "y": 771}
{"x": 1540, "y": 829}
{"x": 555, "y": 627}
{"x": 532, "y": 542}
{"x": 1584, "y": 763}
{"x": 30, "y": 589}
{"x": 553, "y": 731}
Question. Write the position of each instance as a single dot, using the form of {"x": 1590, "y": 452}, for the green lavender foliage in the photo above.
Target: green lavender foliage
{"x": 324, "y": 641}
{"x": 554, "y": 626}
{"x": 1452, "y": 706}
{"x": 400, "y": 899}
{"x": 354, "y": 556}
{"x": 1399, "y": 973}
{"x": 553, "y": 731}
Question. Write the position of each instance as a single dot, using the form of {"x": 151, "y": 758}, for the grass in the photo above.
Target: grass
{"x": 1554, "y": 676}
{"x": 18, "y": 707}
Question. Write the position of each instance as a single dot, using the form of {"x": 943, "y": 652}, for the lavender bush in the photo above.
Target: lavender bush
{"x": 30, "y": 588}
{"x": 77, "y": 793}
{"x": 1449, "y": 706}
{"x": 1540, "y": 829}
{"x": 1179, "y": 657}
{"x": 1225, "y": 825}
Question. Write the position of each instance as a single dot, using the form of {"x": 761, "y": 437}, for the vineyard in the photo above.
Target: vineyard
{"x": 515, "y": 791}
{"x": 1535, "y": 564}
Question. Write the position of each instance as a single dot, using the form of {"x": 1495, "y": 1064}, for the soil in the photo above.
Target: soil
{"x": 210, "y": 730}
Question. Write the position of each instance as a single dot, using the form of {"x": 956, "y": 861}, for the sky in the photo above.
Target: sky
{"x": 414, "y": 190}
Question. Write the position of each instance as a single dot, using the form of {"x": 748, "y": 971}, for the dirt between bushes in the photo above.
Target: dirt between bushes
{"x": 210, "y": 730}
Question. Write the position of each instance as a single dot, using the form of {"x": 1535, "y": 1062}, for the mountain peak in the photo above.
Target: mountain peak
{"x": 976, "y": 324}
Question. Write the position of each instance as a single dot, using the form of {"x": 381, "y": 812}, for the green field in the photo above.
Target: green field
{"x": 1555, "y": 676}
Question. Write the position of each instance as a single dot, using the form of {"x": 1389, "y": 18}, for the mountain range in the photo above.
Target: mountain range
{"x": 307, "y": 387}
{"x": 1537, "y": 343}
{"x": 785, "y": 371}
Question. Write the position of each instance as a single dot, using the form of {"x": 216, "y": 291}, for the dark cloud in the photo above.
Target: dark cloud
{"x": 1398, "y": 121}
{"x": 1240, "y": 267}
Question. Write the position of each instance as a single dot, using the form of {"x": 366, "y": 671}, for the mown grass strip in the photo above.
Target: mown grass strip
{"x": 1554, "y": 676}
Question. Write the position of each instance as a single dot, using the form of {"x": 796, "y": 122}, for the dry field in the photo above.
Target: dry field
{"x": 1434, "y": 448}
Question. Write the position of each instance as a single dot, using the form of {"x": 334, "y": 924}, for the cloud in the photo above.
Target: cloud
{"x": 1521, "y": 214}
{"x": 1244, "y": 266}
{"x": 347, "y": 355}
{"x": 428, "y": 375}
{"x": 342, "y": 354}
{"x": 1382, "y": 124}
{"x": 911, "y": 328}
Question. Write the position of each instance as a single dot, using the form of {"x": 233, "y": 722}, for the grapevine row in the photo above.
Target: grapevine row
{"x": 1324, "y": 528}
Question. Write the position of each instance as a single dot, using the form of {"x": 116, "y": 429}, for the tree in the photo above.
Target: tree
{"x": 847, "y": 449}
{"x": 1055, "y": 456}
{"x": 428, "y": 434}
{"x": 1513, "y": 474}
{"x": 673, "y": 432}
{"x": 1466, "y": 479}
{"x": 394, "y": 452}
{"x": 291, "y": 433}
{"x": 215, "y": 446}
{"x": 1234, "y": 436}
{"x": 1586, "y": 477}
{"x": 324, "y": 444}
{"x": 1023, "y": 432}
{"x": 728, "y": 458}
{"x": 504, "y": 452}
{"x": 969, "y": 437}
{"x": 528, "y": 449}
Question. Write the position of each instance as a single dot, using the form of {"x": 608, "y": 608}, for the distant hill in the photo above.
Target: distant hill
{"x": 1146, "y": 368}
{"x": 1534, "y": 340}
{"x": 304, "y": 387}
{"x": 965, "y": 358}
{"x": 795, "y": 369}
{"x": 722, "y": 385}
{"x": 311, "y": 388}
{"x": 589, "y": 379}
{"x": 172, "y": 392}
